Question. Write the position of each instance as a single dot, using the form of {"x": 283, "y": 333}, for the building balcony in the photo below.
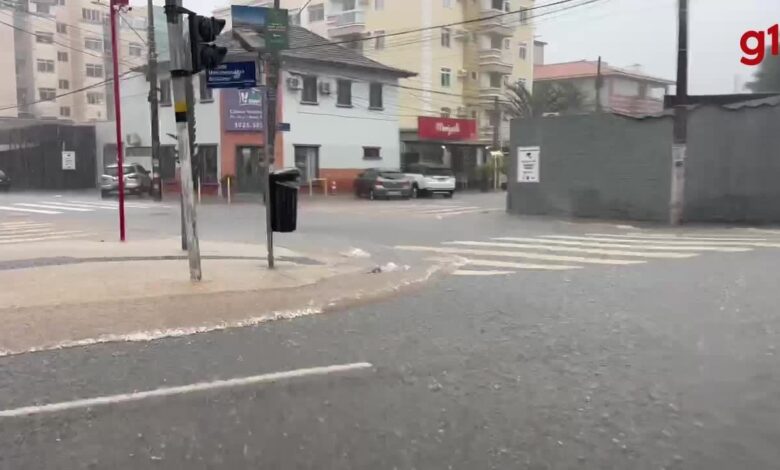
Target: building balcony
{"x": 501, "y": 25}
{"x": 492, "y": 60}
{"x": 490, "y": 92}
{"x": 347, "y": 23}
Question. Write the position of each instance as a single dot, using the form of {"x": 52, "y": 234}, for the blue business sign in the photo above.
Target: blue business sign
{"x": 232, "y": 75}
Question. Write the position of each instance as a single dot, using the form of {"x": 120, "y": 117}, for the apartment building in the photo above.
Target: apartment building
{"x": 62, "y": 57}
{"x": 460, "y": 70}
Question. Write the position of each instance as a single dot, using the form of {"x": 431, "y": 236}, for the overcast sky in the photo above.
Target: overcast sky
{"x": 626, "y": 32}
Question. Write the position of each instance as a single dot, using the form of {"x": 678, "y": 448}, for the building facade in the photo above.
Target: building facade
{"x": 61, "y": 51}
{"x": 340, "y": 107}
{"x": 460, "y": 70}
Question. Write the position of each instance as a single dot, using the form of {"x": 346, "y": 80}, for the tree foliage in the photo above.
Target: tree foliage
{"x": 767, "y": 78}
{"x": 547, "y": 97}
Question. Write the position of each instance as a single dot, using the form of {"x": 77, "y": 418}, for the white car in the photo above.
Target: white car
{"x": 428, "y": 179}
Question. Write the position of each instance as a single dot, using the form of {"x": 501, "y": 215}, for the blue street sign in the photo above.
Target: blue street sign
{"x": 283, "y": 127}
{"x": 232, "y": 75}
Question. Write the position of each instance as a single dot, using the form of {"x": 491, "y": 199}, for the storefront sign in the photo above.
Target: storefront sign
{"x": 243, "y": 110}
{"x": 435, "y": 128}
{"x": 528, "y": 164}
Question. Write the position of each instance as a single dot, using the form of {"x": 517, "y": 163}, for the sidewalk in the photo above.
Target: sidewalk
{"x": 65, "y": 293}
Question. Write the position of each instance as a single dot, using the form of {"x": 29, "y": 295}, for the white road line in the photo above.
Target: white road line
{"x": 447, "y": 209}
{"x": 42, "y": 239}
{"x": 660, "y": 236}
{"x": 182, "y": 390}
{"x": 23, "y": 235}
{"x": 670, "y": 243}
{"x": 69, "y": 204}
{"x": 519, "y": 254}
{"x": 643, "y": 246}
{"x": 469, "y": 272}
{"x": 59, "y": 208}
{"x": 590, "y": 251}
{"x": 4, "y": 232}
{"x": 470, "y": 211}
{"x": 489, "y": 263}
{"x": 31, "y": 211}
{"x": 14, "y": 224}
{"x": 112, "y": 205}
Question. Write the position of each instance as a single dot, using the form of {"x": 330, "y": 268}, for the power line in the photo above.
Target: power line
{"x": 122, "y": 17}
{"x": 73, "y": 92}
{"x": 429, "y": 28}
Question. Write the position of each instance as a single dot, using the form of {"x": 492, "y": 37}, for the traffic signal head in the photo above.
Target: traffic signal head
{"x": 203, "y": 31}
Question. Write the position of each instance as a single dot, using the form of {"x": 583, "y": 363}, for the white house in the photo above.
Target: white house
{"x": 342, "y": 109}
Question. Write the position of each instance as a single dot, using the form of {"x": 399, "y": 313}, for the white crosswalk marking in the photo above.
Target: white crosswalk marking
{"x": 410, "y": 209}
{"x": 50, "y": 207}
{"x": 669, "y": 236}
{"x": 53, "y": 207}
{"x": 22, "y": 232}
{"x": 30, "y": 211}
{"x": 557, "y": 252}
{"x": 592, "y": 251}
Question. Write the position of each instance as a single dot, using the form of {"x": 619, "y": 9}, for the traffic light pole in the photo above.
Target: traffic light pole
{"x": 113, "y": 17}
{"x": 180, "y": 69}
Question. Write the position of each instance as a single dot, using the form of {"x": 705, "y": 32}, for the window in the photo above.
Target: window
{"x": 43, "y": 37}
{"x": 379, "y": 41}
{"x": 47, "y": 94}
{"x": 344, "y": 93}
{"x": 379, "y": 5}
{"x": 45, "y": 66}
{"x": 309, "y": 89}
{"x": 165, "y": 92}
{"x": 523, "y": 50}
{"x": 44, "y": 8}
{"x": 206, "y": 93}
{"x": 91, "y": 16}
{"x": 446, "y": 77}
{"x": 348, "y": 5}
{"x": 65, "y": 111}
{"x": 62, "y": 28}
{"x": 524, "y": 16}
{"x": 316, "y": 12}
{"x": 473, "y": 75}
{"x": 372, "y": 153}
{"x": 375, "y": 96}
{"x": 205, "y": 164}
{"x": 493, "y": 118}
{"x": 93, "y": 44}
{"x": 94, "y": 97}
{"x": 507, "y": 6}
{"x": 497, "y": 4}
{"x": 473, "y": 114}
{"x": 446, "y": 35}
{"x": 446, "y": 112}
{"x": 496, "y": 42}
{"x": 94, "y": 70}
{"x": 62, "y": 56}
{"x": 64, "y": 84}
{"x": 495, "y": 80}
{"x": 135, "y": 50}
{"x": 507, "y": 43}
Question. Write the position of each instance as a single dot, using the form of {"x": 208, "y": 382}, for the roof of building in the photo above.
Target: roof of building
{"x": 304, "y": 45}
{"x": 589, "y": 68}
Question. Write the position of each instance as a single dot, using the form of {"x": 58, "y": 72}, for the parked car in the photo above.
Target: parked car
{"x": 137, "y": 180}
{"x": 428, "y": 179}
{"x": 5, "y": 181}
{"x": 376, "y": 183}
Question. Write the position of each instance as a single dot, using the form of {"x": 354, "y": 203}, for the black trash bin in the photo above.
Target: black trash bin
{"x": 284, "y": 199}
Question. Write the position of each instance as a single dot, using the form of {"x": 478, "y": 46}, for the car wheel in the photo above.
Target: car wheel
{"x": 449, "y": 194}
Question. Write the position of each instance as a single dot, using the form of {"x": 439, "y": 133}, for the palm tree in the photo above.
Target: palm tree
{"x": 547, "y": 97}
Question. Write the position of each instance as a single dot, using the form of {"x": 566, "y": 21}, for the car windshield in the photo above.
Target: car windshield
{"x": 112, "y": 170}
{"x": 392, "y": 175}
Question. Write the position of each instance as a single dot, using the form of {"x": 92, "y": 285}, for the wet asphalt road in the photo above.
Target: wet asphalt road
{"x": 670, "y": 364}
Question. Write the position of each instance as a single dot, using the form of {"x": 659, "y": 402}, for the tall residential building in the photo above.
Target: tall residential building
{"x": 460, "y": 69}
{"x": 62, "y": 56}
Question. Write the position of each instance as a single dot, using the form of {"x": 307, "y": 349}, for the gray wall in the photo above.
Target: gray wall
{"x": 602, "y": 166}
{"x": 733, "y": 168}
{"x": 609, "y": 166}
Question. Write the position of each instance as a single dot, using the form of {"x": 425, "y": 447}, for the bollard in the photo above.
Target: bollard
{"x": 333, "y": 187}
{"x": 228, "y": 189}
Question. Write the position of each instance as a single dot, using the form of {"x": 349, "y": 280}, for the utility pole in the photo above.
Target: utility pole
{"x": 679, "y": 147}
{"x": 153, "y": 101}
{"x": 496, "y": 139}
{"x": 114, "y": 7}
{"x": 272, "y": 85}
{"x": 598, "y": 86}
{"x": 181, "y": 65}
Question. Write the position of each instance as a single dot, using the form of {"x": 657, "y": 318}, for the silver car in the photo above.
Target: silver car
{"x": 137, "y": 180}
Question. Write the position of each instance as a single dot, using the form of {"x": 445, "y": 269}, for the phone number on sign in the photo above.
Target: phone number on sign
{"x": 247, "y": 125}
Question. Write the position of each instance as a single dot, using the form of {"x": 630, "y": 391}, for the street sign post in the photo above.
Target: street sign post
{"x": 270, "y": 24}
{"x": 232, "y": 75}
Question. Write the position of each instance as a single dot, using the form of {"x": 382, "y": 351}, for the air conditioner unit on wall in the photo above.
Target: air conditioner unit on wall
{"x": 325, "y": 88}
{"x": 463, "y": 73}
{"x": 294, "y": 83}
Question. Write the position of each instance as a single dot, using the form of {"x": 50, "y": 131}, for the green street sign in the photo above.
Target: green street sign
{"x": 277, "y": 29}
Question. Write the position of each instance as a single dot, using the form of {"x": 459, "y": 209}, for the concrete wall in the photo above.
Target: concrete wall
{"x": 594, "y": 166}
{"x": 733, "y": 166}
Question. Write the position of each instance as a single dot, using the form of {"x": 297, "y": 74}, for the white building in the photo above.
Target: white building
{"x": 341, "y": 106}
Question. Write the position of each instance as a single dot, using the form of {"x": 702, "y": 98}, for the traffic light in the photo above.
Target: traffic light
{"x": 204, "y": 31}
